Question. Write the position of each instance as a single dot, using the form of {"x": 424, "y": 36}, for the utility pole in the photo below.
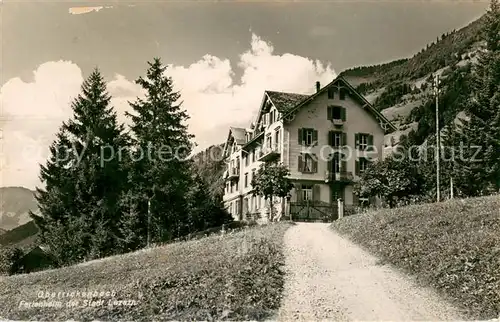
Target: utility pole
{"x": 438, "y": 140}
{"x": 451, "y": 188}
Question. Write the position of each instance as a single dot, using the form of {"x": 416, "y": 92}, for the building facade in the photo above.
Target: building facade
{"x": 326, "y": 140}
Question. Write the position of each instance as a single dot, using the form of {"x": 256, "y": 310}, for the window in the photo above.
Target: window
{"x": 246, "y": 179}
{"x": 331, "y": 93}
{"x": 277, "y": 138}
{"x": 363, "y": 164}
{"x": 307, "y": 136}
{"x": 253, "y": 174}
{"x": 335, "y": 165}
{"x": 231, "y": 187}
{"x": 307, "y": 192}
{"x": 307, "y": 163}
{"x": 245, "y": 206}
{"x": 337, "y": 112}
{"x": 253, "y": 156}
{"x": 336, "y": 194}
{"x": 363, "y": 141}
{"x": 342, "y": 94}
{"x": 268, "y": 141}
{"x": 336, "y": 139}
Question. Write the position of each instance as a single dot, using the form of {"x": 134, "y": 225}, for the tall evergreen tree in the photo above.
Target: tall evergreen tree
{"x": 160, "y": 169}
{"x": 84, "y": 179}
{"x": 482, "y": 131}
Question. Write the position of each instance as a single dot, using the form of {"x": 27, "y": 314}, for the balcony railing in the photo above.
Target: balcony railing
{"x": 269, "y": 153}
{"x": 232, "y": 173}
{"x": 337, "y": 122}
{"x": 342, "y": 176}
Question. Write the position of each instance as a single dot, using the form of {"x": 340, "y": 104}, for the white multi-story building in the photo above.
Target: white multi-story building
{"x": 326, "y": 140}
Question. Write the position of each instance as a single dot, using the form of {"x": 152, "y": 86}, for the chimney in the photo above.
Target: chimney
{"x": 318, "y": 86}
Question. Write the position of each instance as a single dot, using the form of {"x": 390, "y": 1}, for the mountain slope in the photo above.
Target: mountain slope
{"x": 22, "y": 236}
{"x": 403, "y": 89}
{"x": 210, "y": 165}
{"x": 15, "y": 204}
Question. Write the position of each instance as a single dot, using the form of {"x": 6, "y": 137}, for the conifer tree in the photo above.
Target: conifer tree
{"x": 83, "y": 179}
{"x": 482, "y": 132}
{"x": 160, "y": 169}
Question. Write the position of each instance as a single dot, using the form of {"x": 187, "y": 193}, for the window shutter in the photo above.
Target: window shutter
{"x": 315, "y": 137}
{"x": 343, "y": 113}
{"x": 343, "y": 166}
{"x": 330, "y": 138}
{"x": 356, "y": 140}
{"x": 314, "y": 164}
{"x": 329, "y": 112}
{"x": 300, "y": 166}
{"x": 370, "y": 142}
{"x": 316, "y": 192}
{"x": 357, "y": 168}
{"x": 300, "y": 137}
{"x": 344, "y": 139}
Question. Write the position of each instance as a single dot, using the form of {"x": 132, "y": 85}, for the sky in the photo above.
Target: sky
{"x": 221, "y": 55}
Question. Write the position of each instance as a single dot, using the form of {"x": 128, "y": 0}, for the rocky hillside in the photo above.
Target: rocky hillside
{"x": 211, "y": 167}
{"x": 15, "y": 204}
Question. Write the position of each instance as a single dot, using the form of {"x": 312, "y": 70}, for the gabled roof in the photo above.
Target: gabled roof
{"x": 238, "y": 134}
{"x": 285, "y": 101}
{"x": 365, "y": 104}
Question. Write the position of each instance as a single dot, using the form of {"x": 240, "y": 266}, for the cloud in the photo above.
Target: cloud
{"x": 32, "y": 112}
{"x": 83, "y": 10}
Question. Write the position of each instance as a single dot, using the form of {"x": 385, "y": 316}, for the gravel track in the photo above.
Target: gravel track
{"x": 330, "y": 278}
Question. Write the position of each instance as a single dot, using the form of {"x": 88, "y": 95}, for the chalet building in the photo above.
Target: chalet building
{"x": 326, "y": 140}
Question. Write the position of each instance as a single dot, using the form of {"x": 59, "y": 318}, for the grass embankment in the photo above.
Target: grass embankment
{"x": 452, "y": 246}
{"x": 236, "y": 276}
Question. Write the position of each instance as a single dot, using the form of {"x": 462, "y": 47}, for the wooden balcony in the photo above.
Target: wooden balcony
{"x": 269, "y": 153}
{"x": 343, "y": 176}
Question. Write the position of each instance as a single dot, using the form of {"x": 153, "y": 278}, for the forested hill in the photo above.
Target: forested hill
{"x": 403, "y": 89}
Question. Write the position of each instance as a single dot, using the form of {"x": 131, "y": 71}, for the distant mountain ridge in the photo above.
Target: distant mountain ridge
{"x": 15, "y": 204}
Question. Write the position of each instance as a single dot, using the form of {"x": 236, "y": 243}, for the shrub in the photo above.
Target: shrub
{"x": 10, "y": 260}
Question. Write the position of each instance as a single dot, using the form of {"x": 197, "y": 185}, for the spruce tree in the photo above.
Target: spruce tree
{"x": 84, "y": 180}
{"x": 160, "y": 169}
{"x": 482, "y": 131}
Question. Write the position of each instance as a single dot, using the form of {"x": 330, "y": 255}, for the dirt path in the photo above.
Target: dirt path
{"x": 328, "y": 277}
